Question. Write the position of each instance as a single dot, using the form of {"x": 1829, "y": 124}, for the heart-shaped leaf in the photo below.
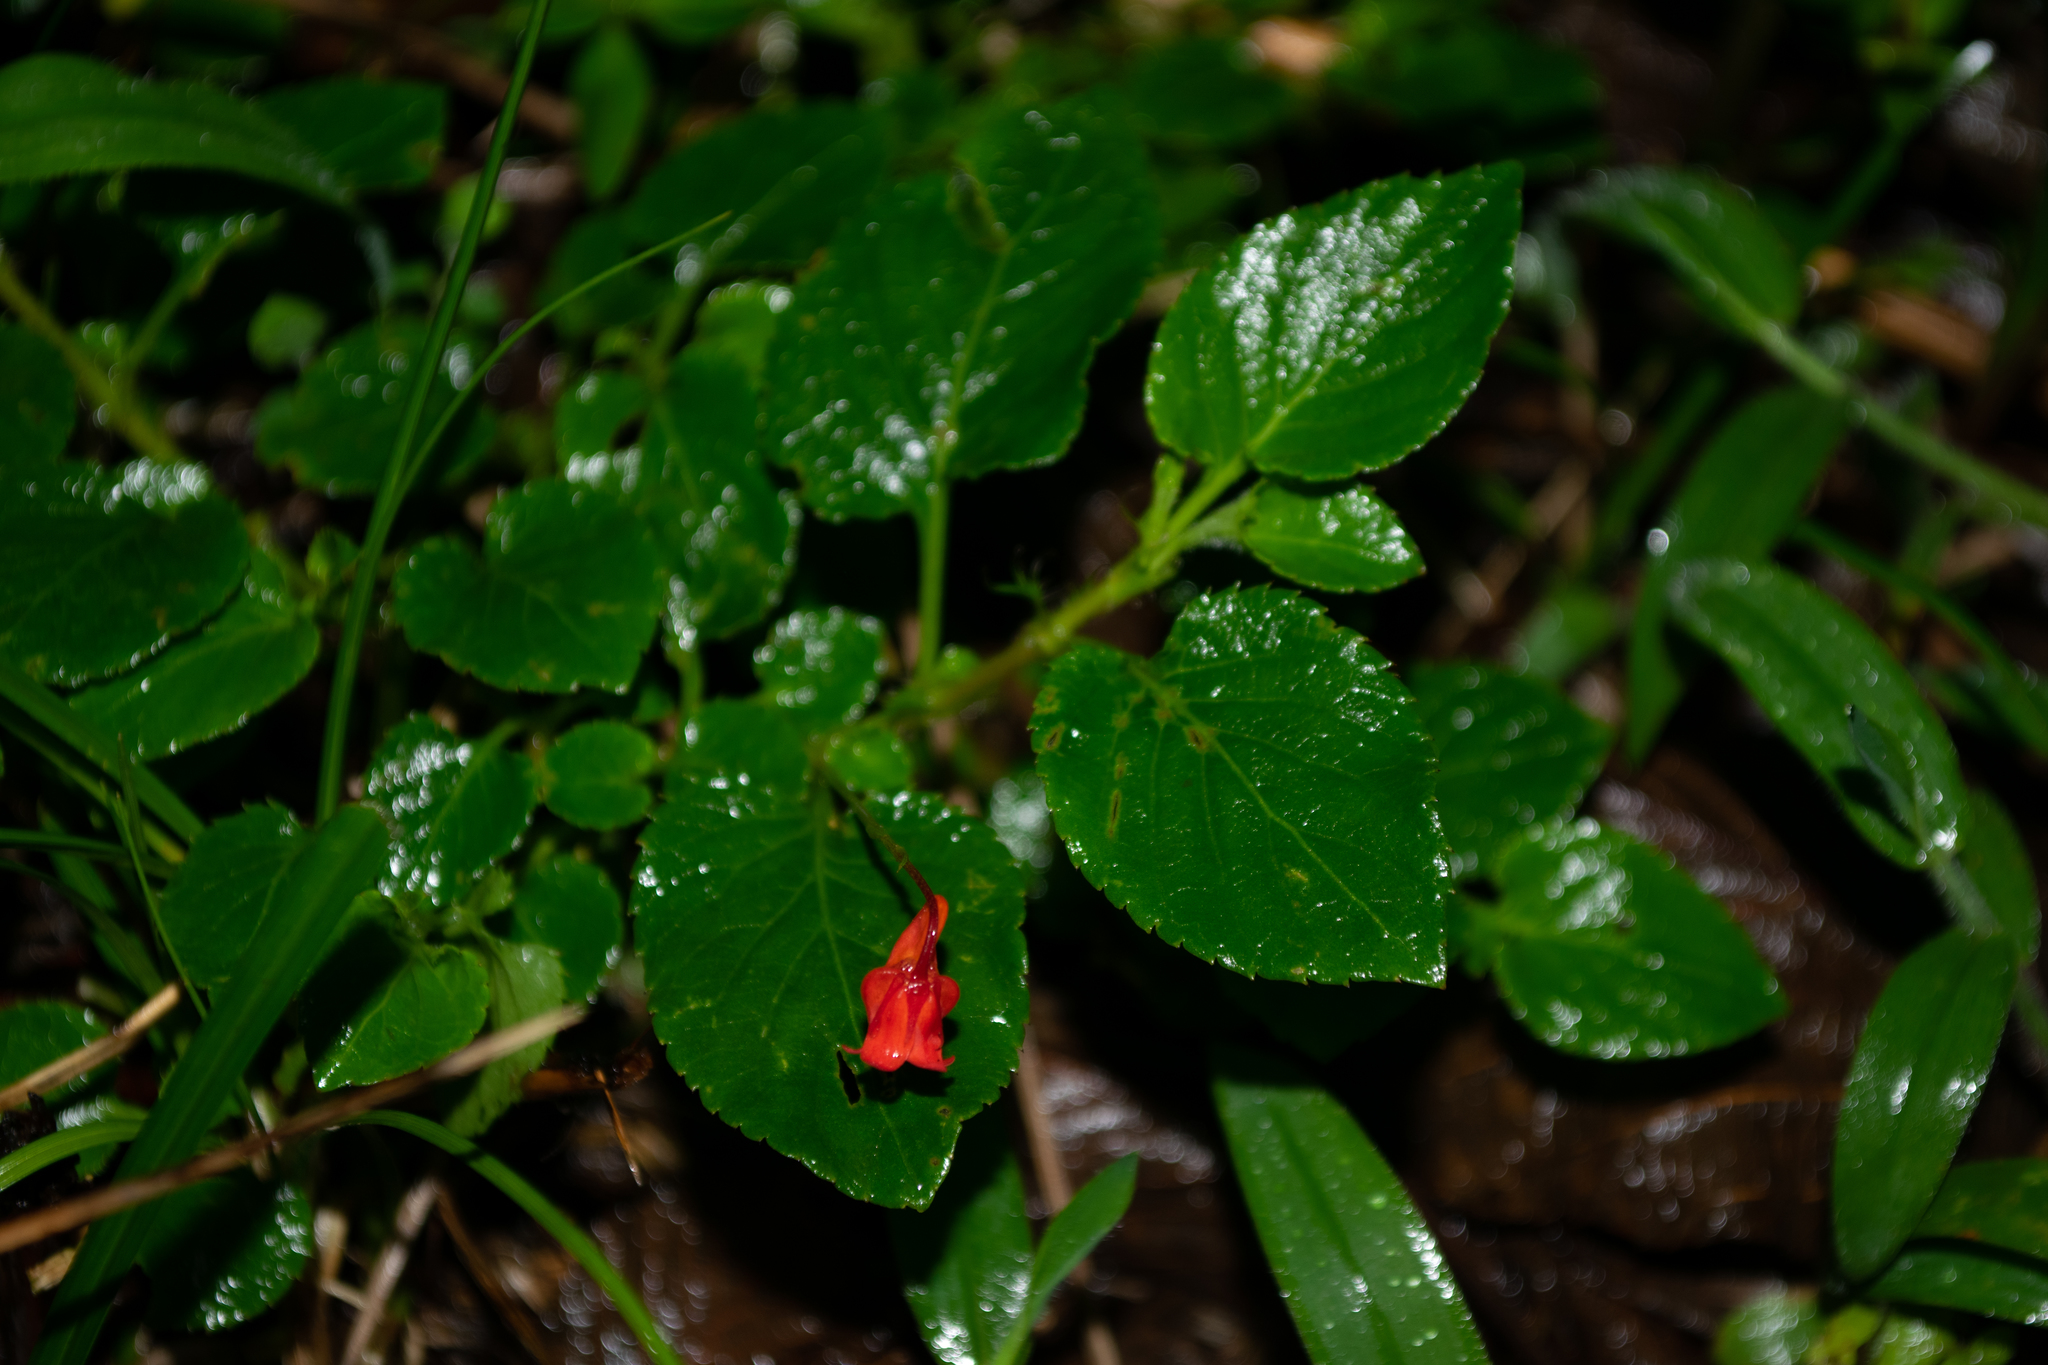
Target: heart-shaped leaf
{"x": 452, "y": 806}
{"x": 823, "y": 667}
{"x": 595, "y": 776}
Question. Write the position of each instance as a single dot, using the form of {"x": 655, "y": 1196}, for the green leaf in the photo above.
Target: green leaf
{"x": 787, "y": 176}
{"x": 38, "y": 400}
{"x": 1602, "y": 948}
{"x": 595, "y": 776}
{"x": 248, "y": 657}
{"x": 949, "y": 332}
{"x": 565, "y": 596}
{"x": 343, "y": 859}
{"x": 1740, "y": 499}
{"x": 1338, "y": 337}
{"x": 727, "y": 535}
{"x": 1774, "y": 1328}
{"x": 871, "y": 758}
{"x": 1997, "y": 863}
{"x": 452, "y": 806}
{"x": 966, "y": 1261}
{"x": 374, "y": 135}
{"x": 1091, "y": 1215}
{"x": 1971, "y": 1281}
{"x": 589, "y": 416}
{"x": 1259, "y": 792}
{"x": 613, "y": 87}
{"x": 223, "y": 1251}
{"x": 1710, "y": 234}
{"x": 824, "y": 667}
{"x": 593, "y": 244}
{"x": 1995, "y": 1203}
{"x": 1354, "y": 1260}
{"x": 1513, "y": 754}
{"x": 1206, "y": 91}
{"x": 570, "y": 906}
{"x": 228, "y": 882}
{"x": 105, "y": 566}
{"x": 1806, "y": 660}
{"x": 745, "y": 743}
{"x": 526, "y": 980}
{"x": 758, "y": 913}
{"x": 283, "y": 331}
{"x": 1345, "y": 540}
{"x": 62, "y": 115}
{"x": 1918, "y": 1070}
{"x": 335, "y": 430}
{"x": 383, "y": 1003}
{"x": 35, "y": 1033}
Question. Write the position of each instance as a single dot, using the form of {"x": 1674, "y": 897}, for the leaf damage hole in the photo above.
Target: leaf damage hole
{"x": 847, "y": 1081}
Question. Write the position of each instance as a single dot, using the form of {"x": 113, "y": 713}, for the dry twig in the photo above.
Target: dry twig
{"x": 486, "y": 1275}
{"x": 72, "y": 1064}
{"x": 1098, "y": 1343}
{"x": 412, "y": 1216}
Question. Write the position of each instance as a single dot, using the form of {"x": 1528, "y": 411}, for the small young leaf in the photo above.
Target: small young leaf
{"x": 38, "y": 400}
{"x": 822, "y": 666}
{"x": 1996, "y": 1203}
{"x": 62, "y": 115}
{"x": 570, "y": 906}
{"x": 253, "y": 653}
{"x": 565, "y": 596}
{"x": 1513, "y": 754}
{"x": 1706, "y": 230}
{"x": 595, "y": 776}
{"x": 613, "y": 87}
{"x": 526, "y": 979}
{"x": 871, "y": 758}
{"x": 1807, "y": 660}
{"x": 283, "y": 331}
{"x": 1997, "y": 862}
{"x": 374, "y": 135}
{"x": 759, "y": 912}
{"x": 966, "y": 1261}
{"x": 224, "y": 888}
{"x": 1912, "y": 1087}
{"x": 1992, "y": 1283}
{"x": 950, "y": 330}
{"x": 221, "y": 1252}
{"x": 746, "y": 743}
{"x": 336, "y": 428}
{"x": 1338, "y": 337}
{"x": 383, "y": 1003}
{"x": 104, "y": 566}
{"x": 1603, "y": 949}
{"x": 1743, "y": 494}
{"x": 1354, "y": 1260}
{"x": 452, "y": 806}
{"x": 1345, "y": 540}
{"x": 1091, "y": 1215}
{"x": 1774, "y": 1328}
{"x": 1259, "y": 792}
{"x": 35, "y": 1033}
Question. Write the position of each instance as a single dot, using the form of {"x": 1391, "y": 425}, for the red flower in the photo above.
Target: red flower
{"x": 906, "y": 998}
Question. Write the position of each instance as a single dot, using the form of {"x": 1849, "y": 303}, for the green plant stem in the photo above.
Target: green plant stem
{"x": 1875, "y": 171}
{"x": 98, "y": 850}
{"x": 391, "y": 492}
{"x": 1624, "y": 501}
{"x": 542, "y": 1210}
{"x": 121, "y": 410}
{"x": 24, "y": 1162}
{"x": 931, "y": 574}
{"x": 129, "y": 820}
{"x": 29, "y": 700}
{"x": 88, "y": 891}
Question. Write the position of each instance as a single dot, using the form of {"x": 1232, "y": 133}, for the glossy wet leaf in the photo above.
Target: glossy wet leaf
{"x": 571, "y": 907}
{"x": 1710, "y": 234}
{"x": 613, "y": 87}
{"x": 335, "y": 429}
{"x": 758, "y": 912}
{"x": 1341, "y": 540}
{"x": 223, "y": 1251}
{"x": 1918, "y": 1071}
{"x": 1258, "y": 792}
{"x": 966, "y": 1261}
{"x": 525, "y": 980}
{"x": 38, "y": 400}
{"x": 727, "y": 535}
{"x": 373, "y": 135}
{"x": 1355, "y": 1262}
{"x": 1995, "y": 1203}
{"x": 588, "y": 419}
{"x": 1091, "y": 1215}
{"x": 1513, "y": 754}
{"x": 452, "y": 806}
{"x": 1989, "y": 1282}
{"x": 824, "y": 667}
{"x": 1340, "y": 336}
{"x": 747, "y": 742}
{"x": 245, "y": 659}
{"x": 1807, "y": 659}
{"x": 565, "y": 595}
{"x": 64, "y": 115}
{"x": 1774, "y": 1328}
{"x": 871, "y": 758}
{"x": 949, "y": 332}
{"x": 383, "y": 1003}
{"x": 1602, "y": 948}
{"x": 595, "y": 775}
{"x": 1743, "y": 494}
{"x": 105, "y": 566}
{"x": 1997, "y": 862}
{"x": 787, "y": 176}
{"x": 34, "y": 1033}
{"x": 229, "y": 880}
